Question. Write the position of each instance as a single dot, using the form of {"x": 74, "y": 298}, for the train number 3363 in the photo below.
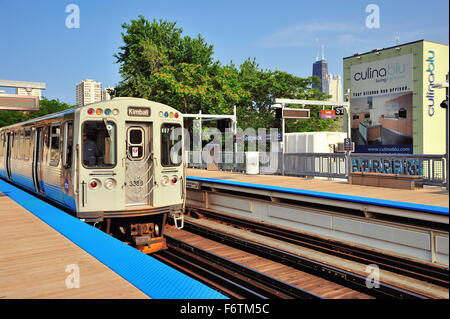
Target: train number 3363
{"x": 136, "y": 183}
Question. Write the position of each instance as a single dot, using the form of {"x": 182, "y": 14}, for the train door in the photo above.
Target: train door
{"x": 37, "y": 159}
{"x": 9, "y": 138}
{"x": 139, "y": 172}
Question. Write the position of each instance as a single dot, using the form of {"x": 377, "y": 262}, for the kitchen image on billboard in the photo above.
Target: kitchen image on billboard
{"x": 382, "y": 124}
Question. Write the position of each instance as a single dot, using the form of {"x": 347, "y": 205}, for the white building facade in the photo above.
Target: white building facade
{"x": 333, "y": 86}
{"x": 88, "y": 91}
{"x": 29, "y": 92}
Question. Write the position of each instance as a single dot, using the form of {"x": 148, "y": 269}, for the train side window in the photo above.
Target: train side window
{"x": 2, "y": 143}
{"x": 15, "y": 144}
{"x": 54, "y": 144}
{"x": 27, "y": 144}
{"x": 20, "y": 145}
{"x": 68, "y": 144}
{"x": 11, "y": 144}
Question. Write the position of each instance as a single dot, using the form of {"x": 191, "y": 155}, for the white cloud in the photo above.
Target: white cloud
{"x": 306, "y": 35}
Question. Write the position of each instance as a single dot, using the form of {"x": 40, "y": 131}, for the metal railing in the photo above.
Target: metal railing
{"x": 332, "y": 165}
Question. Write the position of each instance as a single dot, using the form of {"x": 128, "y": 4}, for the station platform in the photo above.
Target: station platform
{"x": 432, "y": 200}
{"x": 43, "y": 249}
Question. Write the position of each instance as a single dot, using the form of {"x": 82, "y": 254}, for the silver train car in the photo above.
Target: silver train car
{"x": 115, "y": 164}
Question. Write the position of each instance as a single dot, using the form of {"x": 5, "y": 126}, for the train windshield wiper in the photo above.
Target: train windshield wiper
{"x": 106, "y": 127}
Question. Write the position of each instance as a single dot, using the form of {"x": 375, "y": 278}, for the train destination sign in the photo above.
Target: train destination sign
{"x": 138, "y": 111}
{"x": 19, "y": 103}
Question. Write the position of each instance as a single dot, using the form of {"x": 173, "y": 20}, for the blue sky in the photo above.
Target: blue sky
{"x": 36, "y": 45}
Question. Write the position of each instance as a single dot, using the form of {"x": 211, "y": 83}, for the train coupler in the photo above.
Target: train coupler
{"x": 178, "y": 219}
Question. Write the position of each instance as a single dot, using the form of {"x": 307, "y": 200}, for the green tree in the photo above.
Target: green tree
{"x": 11, "y": 117}
{"x": 45, "y": 107}
{"x": 158, "y": 63}
{"x": 265, "y": 86}
{"x": 48, "y": 107}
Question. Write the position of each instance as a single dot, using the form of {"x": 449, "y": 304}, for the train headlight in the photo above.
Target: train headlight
{"x": 90, "y": 111}
{"x": 115, "y": 112}
{"x": 164, "y": 180}
{"x": 109, "y": 183}
{"x": 99, "y": 111}
{"x": 94, "y": 184}
{"x": 174, "y": 179}
{"x": 107, "y": 111}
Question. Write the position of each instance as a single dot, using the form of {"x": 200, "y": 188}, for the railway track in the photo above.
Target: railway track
{"x": 231, "y": 278}
{"x": 425, "y": 272}
{"x": 356, "y": 283}
{"x": 320, "y": 280}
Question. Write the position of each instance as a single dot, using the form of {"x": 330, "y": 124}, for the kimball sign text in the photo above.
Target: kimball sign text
{"x": 138, "y": 111}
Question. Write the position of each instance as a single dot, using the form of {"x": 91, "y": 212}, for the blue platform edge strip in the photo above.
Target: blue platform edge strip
{"x": 149, "y": 275}
{"x": 357, "y": 199}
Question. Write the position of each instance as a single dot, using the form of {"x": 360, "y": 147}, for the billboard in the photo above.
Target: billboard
{"x": 381, "y": 105}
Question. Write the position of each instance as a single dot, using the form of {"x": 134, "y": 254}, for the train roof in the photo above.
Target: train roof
{"x": 74, "y": 109}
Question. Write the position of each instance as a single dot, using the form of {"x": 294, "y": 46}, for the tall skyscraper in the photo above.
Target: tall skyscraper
{"x": 320, "y": 69}
{"x": 88, "y": 91}
{"x": 329, "y": 84}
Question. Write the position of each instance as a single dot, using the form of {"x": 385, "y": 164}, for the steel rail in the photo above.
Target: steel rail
{"x": 343, "y": 277}
{"x": 413, "y": 269}
{"x": 232, "y": 276}
{"x": 206, "y": 274}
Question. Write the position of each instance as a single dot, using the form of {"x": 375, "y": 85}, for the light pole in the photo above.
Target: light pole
{"x": 444, "y": 105}
{"x": 348, "y": 153}
{"x": 281, "y": 106}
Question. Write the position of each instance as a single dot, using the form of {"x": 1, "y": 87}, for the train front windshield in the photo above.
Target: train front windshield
{"x": 99, "y": 144}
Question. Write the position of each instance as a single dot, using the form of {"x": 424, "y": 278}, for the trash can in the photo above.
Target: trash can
{"x": 252, "y": 162}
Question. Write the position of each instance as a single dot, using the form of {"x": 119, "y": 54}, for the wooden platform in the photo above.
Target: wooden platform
{"x": 34, "y": 257}
{"x": 428, "y": 195}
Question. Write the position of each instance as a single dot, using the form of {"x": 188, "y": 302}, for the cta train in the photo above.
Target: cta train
{"x": 115, "y": 164}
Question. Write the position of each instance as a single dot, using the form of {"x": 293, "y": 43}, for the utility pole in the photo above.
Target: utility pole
{"x": 444, "y": 105}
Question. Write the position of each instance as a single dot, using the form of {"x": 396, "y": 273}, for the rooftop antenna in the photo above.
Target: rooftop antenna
{"x": 317, "y": 56}
{"x": 323, "y": 56}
